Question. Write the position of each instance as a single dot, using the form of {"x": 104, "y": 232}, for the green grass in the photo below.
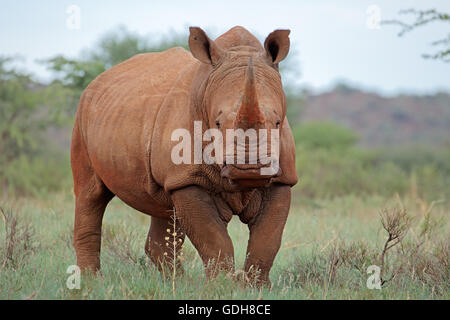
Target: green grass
{"x": 327, "y": 247}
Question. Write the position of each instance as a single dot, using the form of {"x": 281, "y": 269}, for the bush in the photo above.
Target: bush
{"x": 329, "y": 173}
{"x": 329, "y": 165}
{"x": 324, "y": 135}
{"x": 35, "y": 176}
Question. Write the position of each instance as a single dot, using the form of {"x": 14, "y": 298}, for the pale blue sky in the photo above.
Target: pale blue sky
{"x": 330, "y": 37}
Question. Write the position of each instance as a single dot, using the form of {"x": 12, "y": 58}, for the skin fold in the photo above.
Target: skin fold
{"x": 121, "y": 146}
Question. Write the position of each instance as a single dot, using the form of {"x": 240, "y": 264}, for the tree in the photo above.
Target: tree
{"x": 27, "y": 110}
{"x": 120, "y": 44}
{"x": 113, "y": 48}
{"x": 324, "y": 135}
{"x": 422, "y": 18}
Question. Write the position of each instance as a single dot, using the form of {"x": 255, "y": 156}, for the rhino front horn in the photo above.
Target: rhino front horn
{"x": 249, "y": 114}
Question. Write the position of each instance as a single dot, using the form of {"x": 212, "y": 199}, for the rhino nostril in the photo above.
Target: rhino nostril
{"x": 225, "y": 172}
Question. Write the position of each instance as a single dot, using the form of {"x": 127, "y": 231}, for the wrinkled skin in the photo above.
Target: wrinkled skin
{"x": 121, "y": 146}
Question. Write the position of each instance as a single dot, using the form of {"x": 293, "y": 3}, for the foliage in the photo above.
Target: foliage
{"x": 295, "y": 100}
{"x": 37, "y": 175}
{"x": 27, "y": 110}
{"x": 422, "y": 18}
{"x": 329, "y": 164}
{"x": 18, "y": 241}
{"x": 113, "y": 48}
{"x": 324, "y": 135}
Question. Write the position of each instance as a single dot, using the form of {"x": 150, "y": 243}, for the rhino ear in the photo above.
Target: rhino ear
{"x": 277, "y": 45}
{"x": 203, "y": 48}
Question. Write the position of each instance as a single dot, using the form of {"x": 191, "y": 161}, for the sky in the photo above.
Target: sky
{"x": 332, "y": 41}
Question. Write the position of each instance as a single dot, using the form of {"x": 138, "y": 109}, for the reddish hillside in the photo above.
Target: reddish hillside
{"x": 403, "y": 119}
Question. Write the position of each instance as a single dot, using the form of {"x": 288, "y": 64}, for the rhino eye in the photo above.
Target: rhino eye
{"x": 217, "y": 124}
{"x": 278, "y": 123}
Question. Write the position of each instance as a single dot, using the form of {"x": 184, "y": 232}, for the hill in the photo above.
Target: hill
{"x": 383, "y": 121}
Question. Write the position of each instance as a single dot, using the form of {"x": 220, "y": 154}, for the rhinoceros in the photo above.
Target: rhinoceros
{"x": 122, "y": 146}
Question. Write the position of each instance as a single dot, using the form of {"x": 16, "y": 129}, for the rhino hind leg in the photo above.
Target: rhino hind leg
{"x": 92, "y": 197}
{"x": 164, "y": 244}
{"x": 90, "y": 205}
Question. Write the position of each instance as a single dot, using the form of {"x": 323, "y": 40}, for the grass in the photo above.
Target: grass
{"x": 326, "y": 250}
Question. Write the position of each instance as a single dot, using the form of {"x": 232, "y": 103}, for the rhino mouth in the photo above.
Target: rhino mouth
{"x": 248, "y": 175}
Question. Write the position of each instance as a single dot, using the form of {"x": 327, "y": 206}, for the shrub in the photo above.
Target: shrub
{"x": 35, "y": 176}
{"x": 324, "y": 135}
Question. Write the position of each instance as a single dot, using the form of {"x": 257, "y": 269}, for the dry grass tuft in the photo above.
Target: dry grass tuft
{"x": 19, "y": 240}
{"x": 396, "y": 223}
{"x": 174, "y": 244}
{"x": 410, "y": 256}
{"x": 118, "y": 243}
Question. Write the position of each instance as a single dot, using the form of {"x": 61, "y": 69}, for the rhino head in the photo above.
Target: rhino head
{"x": 243, "y": 90}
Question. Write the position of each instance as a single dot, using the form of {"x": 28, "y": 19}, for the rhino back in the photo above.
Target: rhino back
{"x": 116, "y": 117}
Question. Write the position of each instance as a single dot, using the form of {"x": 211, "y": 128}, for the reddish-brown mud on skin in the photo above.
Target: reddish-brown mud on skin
{"x": 121, "y": 146}
{"x": 249, "y": 115}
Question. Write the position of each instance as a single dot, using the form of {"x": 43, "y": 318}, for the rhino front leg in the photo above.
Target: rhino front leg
{"x": 205, "y": 228}
{"x": 266, "y": 231}
{"x": 159, "y": 245}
